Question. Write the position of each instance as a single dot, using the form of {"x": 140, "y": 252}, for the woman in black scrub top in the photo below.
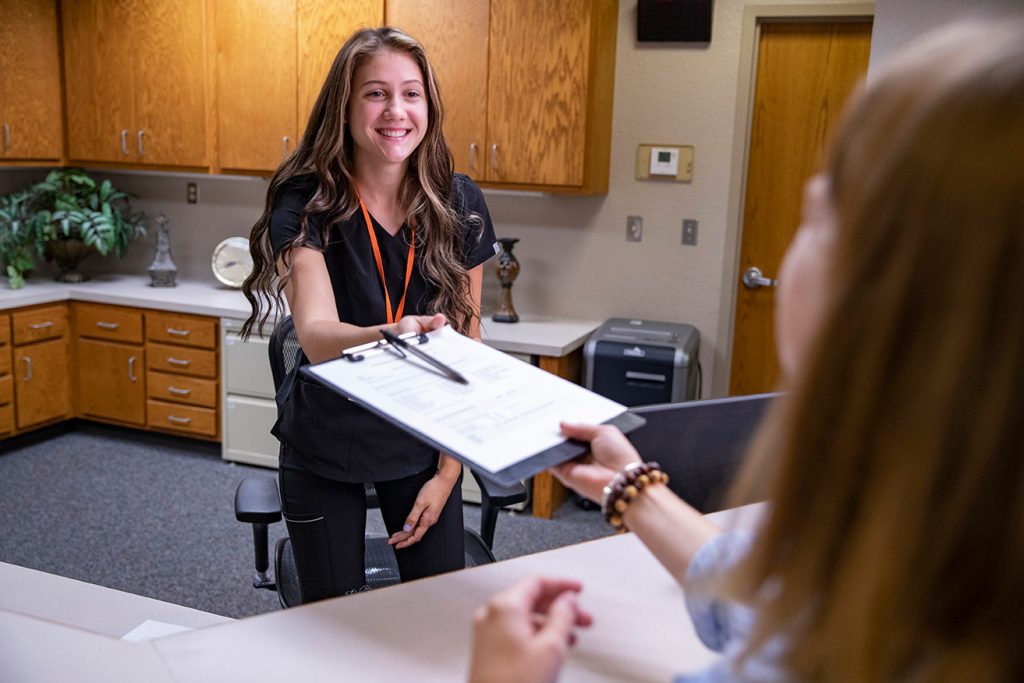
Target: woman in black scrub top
{"x": 366, "y": 228}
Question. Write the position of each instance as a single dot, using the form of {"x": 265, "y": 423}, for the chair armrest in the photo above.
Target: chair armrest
{"x": 498, "y": 495}
{"x": 257, "y": 501}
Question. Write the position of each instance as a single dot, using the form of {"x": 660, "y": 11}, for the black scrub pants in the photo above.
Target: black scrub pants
{"x": 327, "y": 523}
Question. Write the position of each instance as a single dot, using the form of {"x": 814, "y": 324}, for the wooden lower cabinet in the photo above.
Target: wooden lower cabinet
{"x": 111, "y": 381}
{"x": 41, "y": 386}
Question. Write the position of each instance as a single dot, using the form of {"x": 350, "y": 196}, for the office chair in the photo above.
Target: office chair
{"x": 257, "y": 502}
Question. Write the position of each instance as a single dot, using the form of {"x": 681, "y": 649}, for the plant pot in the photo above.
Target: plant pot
{"x": 67, "y": 254}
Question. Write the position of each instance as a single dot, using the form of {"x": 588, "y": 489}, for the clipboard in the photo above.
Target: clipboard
{"x": 503, "y": 423}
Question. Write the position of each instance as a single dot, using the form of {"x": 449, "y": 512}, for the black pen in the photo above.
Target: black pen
{"x": 400, "y": 343}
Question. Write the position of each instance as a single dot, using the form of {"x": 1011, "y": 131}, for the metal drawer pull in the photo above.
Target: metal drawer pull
{"x": 7, "y": 136}
{"x": 284, "y": 147}
{"x": 180, "y": 333}
{"x": 178, "y": 361}
{"x": 645, "y": 376}
{"x": 28, "y": 367}
{"x": 140, "y": 142}
{"x": 124, "y": 141}
{"x": 179, "y": 392}
{"x": 107, "y": 326}
{"x": 494, "y": 157}
{"x": 42, "y": 325}
{"x": 179, "y": 420}
{"x": 131, "y": 368}
{"x": 472, "y": 155}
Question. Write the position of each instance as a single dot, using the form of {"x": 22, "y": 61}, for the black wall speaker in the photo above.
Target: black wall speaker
{"x": 674, "y": 21}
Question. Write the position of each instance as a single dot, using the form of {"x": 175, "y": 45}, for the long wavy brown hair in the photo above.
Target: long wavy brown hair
{"x": 326, "y": 152}
{"x": 893, "y": 548}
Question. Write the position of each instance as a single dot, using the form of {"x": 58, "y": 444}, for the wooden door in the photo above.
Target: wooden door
{"x": 805, "y": 72}
{"x": 41, "y": 385}
{"x": 98, "y": 44}
{"x": 256, "y": 83}
{"x": 323, "y": 27}
{"x": 30, "y": 104}
{"x": 111, "y": 381}
{"x": 458, "y": 53}
{"x": 537, "y": 91}
{"x": 168, "y": 73}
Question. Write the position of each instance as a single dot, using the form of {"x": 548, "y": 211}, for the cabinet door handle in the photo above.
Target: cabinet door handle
{"x": 124, "y": 141}
{"x": 179, "y": 333}
{"x": 494, "y": 157}
{"x": 284, "y": 146}
{"x": 107, "y": 326}
{"x": 178, "y": 361}
{"x": 28, "y": 368}
{"x": 140, "y": 142}
{"x": 472, "y": 155}
{"x": 7, "y": 136}
{"x": 131, "y": 368}
{"x": 41, "y": 326}
{"x": 179, "y": 392}
{"x": 179, "y": 420}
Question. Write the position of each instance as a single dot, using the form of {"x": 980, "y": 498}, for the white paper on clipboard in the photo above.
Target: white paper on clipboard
{"x": 506, "y": 415}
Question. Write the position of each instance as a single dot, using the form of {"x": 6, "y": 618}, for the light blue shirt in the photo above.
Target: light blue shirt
{"x": 725, "y": 626}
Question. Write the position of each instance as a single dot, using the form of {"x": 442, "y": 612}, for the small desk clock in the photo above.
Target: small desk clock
{"x": 232, "y": 262}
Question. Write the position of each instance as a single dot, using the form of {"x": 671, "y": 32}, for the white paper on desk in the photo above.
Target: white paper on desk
{"x": 509, "y": 411}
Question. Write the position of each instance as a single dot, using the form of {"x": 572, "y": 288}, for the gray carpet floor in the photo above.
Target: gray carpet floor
{"x": 153, "y": 516}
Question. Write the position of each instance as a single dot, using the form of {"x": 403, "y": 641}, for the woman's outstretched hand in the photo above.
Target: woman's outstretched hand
{"x": 419, "y": 323}
{"x": 524, "y": 633}
{"x": 610, "y": 451}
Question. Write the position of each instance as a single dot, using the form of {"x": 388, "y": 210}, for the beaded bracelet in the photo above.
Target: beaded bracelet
{"x": 626, "y": 486}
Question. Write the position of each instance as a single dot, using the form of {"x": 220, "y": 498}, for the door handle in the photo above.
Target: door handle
{"x": 139, "y": 142}
{"x": 472, "y": 156}
{"x": 7, "y": 136}
{"x": 28, "y": 368}
{"x": 494, "y": 157}
{"x": 131, "y": 369}
{"x": 124, "y": 141}
{"x": 754, "y": 279}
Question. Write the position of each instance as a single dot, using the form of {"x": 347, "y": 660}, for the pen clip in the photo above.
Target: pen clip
{"x": 357, "y": 353}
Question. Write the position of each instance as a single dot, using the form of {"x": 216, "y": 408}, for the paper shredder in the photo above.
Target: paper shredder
{"x": 641, "y": 362}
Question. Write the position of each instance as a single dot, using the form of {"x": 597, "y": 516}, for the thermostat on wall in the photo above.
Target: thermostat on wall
{"x": 664, "y": 161}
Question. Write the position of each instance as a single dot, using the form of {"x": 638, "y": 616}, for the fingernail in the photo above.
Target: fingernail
{"x": 407, "y": 528}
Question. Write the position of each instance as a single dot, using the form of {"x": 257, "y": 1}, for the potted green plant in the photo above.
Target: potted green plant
{"x": 64, "y": 218}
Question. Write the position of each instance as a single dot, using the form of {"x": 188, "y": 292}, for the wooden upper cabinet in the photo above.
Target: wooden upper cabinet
{"x": 255, "y": 76}
{"x": 135, "y": 79}
{"x": 323, "y": 26}
{"x": 265, "y": 93}
{"x": 30, "y": 102}
{"x": 528, "y": 85}
{"x": 458, "y": 54}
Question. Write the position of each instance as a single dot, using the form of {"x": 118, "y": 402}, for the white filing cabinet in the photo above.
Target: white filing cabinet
{"x": 249, "y": 408}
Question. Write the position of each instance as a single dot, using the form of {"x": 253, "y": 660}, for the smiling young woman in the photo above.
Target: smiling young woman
{"x": 367, "y": 228}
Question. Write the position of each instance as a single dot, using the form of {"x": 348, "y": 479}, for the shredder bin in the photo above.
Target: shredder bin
{"x": 642, "y": 362}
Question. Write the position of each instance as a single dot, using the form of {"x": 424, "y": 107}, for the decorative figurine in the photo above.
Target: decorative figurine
{"x": 508, "y": 269}
{"x": 162, "y": 270}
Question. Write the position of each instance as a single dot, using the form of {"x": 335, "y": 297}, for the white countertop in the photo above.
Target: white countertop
{"x": 534, "y": 335}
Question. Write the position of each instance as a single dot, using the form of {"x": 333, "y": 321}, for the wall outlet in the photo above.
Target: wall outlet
{"x": 192, "y": 193}
{"x": 689, "y": 232}
{"x": 634, "y": 228}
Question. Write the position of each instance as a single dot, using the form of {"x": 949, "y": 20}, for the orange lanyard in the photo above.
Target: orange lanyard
{"x": 396, "y": 315}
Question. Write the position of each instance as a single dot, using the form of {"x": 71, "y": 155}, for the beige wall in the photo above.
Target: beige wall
{"x": 575, "y": 260}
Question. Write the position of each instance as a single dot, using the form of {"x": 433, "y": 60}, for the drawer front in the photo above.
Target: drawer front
{"x": 181, "y": 418}
{"x": 6, "y": 390}
{"x": 247, "y": 423}
{"x": 182, "y": 389}
{"x": 6, "y": 419}
{"x": 5, "y": 330}
{"x": 186, "y": 330}
{"x": 115, "y": 323}
{"x": 247, "y": 366}
{"x": 5, "y": 359}
{"x": 181, "y": 360}
{"x": 39, "y": 323}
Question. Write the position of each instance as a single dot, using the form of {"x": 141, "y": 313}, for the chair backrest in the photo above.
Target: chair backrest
{"x": 284, "y": 350}
{"x": 700, "y": 444}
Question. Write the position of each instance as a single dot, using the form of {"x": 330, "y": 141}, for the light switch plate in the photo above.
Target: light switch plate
{"x": 634, "y": 228}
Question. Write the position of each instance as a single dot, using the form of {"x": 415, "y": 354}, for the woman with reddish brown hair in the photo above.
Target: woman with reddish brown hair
{"x": 892, "y": 545}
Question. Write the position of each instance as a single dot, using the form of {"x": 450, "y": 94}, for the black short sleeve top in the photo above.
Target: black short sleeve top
{"x": 322, "y": 431}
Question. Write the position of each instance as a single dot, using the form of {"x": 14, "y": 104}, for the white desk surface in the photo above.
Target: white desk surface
{"x": 537, "y": 335}
{"x": 418, "y": 631}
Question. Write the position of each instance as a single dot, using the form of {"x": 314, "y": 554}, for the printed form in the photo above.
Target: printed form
{"x": 508, "y": 412}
